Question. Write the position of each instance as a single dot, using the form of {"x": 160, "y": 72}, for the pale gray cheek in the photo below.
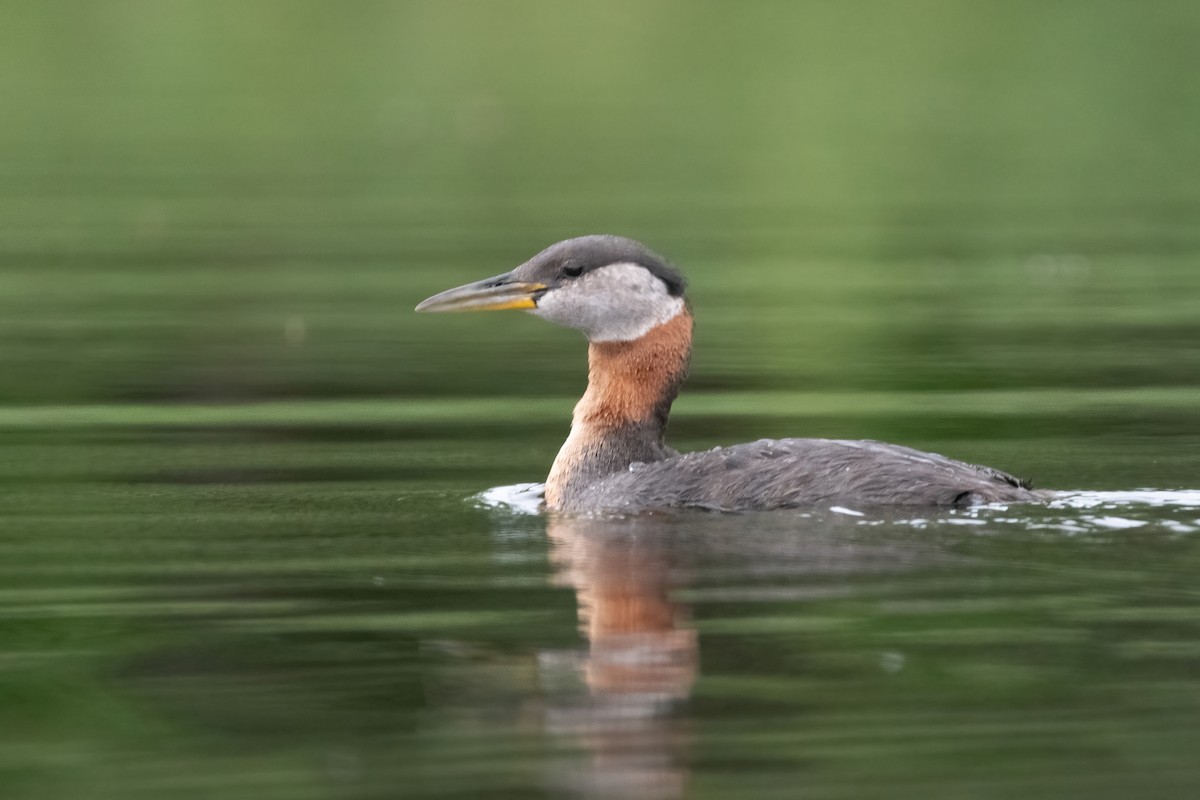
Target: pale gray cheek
{"x": 583, "y": 314}
{"x": 615, "y": 303}
{"x": 553, "y": 309}
{"x": 604, "y": 323}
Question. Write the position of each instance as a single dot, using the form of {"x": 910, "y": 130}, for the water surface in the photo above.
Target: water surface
{"x": 248, "y": 623}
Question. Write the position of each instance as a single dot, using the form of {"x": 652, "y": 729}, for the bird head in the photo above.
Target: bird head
{"x": 609, "y": 287}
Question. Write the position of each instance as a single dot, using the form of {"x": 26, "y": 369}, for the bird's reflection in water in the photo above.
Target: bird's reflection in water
{"x": 640, "y": 663}
{"x": 623, "y": 698}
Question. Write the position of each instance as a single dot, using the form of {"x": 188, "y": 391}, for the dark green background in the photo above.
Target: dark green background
{"x": 236, "y": 556}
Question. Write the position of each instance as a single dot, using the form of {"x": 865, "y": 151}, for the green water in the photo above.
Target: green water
{"x": 240, "y": 552}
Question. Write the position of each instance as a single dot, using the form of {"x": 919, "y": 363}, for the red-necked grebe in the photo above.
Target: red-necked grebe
{"x": 628, "y": 301}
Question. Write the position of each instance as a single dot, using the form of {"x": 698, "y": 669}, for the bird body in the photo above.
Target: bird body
{"x": 629, "y": 303}
{"x": 797, "y": 473}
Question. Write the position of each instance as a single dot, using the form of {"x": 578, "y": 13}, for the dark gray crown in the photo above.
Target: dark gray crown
{"x": 572, "y": 257}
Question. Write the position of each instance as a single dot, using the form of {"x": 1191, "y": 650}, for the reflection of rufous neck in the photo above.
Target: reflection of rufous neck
{"x": 637, "y": 636}
{"x": 641, "y": 656}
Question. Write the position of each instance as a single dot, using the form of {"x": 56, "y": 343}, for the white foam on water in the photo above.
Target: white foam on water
{"x": 1123, "y": 511}
{"x": 1179, "y": 498}
{"x": 519, "y": 498}
{"x": 847, "y": 511}
{"x": 1116, "y": 523}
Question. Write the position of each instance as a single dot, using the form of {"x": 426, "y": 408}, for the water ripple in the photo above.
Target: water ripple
{"x": 1177, "y": 511}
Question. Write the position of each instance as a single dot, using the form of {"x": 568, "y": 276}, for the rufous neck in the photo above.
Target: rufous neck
{"x": 622, "y": 416}
{"x": 635, "y": 382}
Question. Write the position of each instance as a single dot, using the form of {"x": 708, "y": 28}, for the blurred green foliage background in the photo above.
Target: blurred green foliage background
{"x": 227, "y": 200}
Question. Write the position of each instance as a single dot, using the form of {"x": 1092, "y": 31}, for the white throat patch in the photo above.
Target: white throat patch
{"x": 616, "y": 303}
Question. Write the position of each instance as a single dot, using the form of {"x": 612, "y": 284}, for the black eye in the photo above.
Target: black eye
{"x": 572, "y": 270}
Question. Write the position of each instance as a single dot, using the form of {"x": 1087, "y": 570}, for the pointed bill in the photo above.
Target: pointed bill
{"x": 491, "y": 294}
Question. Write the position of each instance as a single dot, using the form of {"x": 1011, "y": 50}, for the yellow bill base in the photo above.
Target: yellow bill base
{"x": 518, "y": 302}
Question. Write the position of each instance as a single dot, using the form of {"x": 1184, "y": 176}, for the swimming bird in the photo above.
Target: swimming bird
{"x": 629, "y": 302}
